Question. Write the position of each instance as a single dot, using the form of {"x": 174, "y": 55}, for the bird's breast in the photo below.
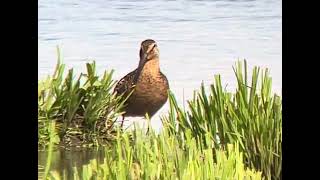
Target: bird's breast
{"x": 151, "y": 89}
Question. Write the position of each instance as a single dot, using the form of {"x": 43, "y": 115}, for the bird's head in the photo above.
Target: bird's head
{"x": 148, "y": 50}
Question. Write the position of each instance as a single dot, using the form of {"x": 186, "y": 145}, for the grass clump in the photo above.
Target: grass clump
{"x": 251, "y": 116}
{"x": 84, "y": 109}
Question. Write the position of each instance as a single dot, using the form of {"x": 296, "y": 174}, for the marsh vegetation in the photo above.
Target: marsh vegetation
{"x": 217, "y": 135}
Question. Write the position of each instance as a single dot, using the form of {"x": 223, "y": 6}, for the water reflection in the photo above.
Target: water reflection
{"x": 64, "y": 161}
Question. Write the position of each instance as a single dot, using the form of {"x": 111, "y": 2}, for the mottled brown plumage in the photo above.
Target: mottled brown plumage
{"x": 149, "y": 86}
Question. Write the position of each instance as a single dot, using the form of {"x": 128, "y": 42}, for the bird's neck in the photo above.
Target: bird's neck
{"x": 151, "y": 67}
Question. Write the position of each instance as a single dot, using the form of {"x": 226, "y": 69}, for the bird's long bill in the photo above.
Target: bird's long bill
{"x": 151, "y": 47}
{"x": 149, "y": 50}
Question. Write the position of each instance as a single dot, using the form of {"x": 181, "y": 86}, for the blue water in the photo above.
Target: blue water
{"x": 197, "y": 39}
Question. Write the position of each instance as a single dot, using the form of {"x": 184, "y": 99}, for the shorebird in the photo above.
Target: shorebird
{"x": 148, "y": 85}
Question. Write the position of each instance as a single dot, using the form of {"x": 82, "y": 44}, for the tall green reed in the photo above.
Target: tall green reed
{"x": 251, "y": 116}
{"x": 137, "y": 155}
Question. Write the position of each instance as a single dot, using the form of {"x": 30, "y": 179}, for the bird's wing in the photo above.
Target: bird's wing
{"x": 125, "y": 84}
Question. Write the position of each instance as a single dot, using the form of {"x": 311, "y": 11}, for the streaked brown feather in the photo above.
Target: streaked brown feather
{"x": 126, "y": 84}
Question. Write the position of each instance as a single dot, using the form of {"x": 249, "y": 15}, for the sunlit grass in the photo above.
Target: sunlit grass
{"x": 162, "y": 156}
{"x": 251, "y": 116}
